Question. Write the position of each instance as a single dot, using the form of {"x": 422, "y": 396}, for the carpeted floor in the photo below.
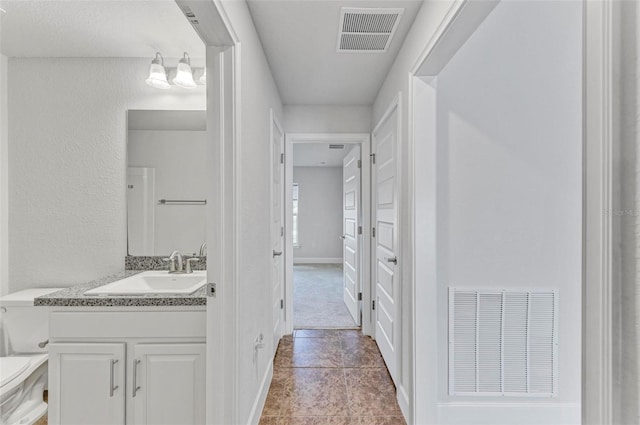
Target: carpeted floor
{"x": 317, "y": 297}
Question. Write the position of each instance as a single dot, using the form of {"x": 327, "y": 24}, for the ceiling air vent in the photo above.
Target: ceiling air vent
{"x": 367, "y": 30}
{"x": 336, "y": 146}
{"x": 190, "y": 15}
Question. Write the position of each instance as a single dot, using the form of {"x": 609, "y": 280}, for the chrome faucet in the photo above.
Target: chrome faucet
{"x": 189, "y": 264}
{"x": 176, "y": 257}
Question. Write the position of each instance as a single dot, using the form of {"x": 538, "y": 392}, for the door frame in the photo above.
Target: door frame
{"x": 364, "y": 140}
{"x": 224, "y": 133}
{"x": 223, "y": 117}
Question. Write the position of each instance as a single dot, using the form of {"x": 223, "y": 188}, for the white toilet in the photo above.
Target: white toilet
{"x": 23, "y": 365}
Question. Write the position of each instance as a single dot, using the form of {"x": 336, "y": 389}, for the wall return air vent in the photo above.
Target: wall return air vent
{"x": 367, "y": 30}
{"x": 503, "y": 343}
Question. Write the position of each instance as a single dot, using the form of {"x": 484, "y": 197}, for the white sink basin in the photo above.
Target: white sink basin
{"x": 153, "y": 282}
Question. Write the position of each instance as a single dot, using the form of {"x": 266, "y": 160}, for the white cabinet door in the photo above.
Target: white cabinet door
{"x": 86, "y": 384}
{"x": 168, "y": 384}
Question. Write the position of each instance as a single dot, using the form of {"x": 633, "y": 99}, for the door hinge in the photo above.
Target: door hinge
{"x": 281, "y": 158}
{"x": 281, "y": 304}
{"x": 281, "y": 231}
{"x": 373, "y": 304}
{"x": 359, "y": 296}
{"x": 373, "y": 158}
{"x": 359, "y": 163}
{"x": 373, "y": 232}
{"x": 359, "y": 230}
{"x": 211, "y": 289}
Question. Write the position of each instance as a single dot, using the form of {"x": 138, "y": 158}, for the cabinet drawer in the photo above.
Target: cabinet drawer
{"x": 128, "y": 324}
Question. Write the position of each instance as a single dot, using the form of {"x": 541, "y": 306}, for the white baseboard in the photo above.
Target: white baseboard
{"x": 479, "y": 413}
{"x": 313, "y": 260}
{"x": 258, "y": 404}
{"x": 405, "y": 405}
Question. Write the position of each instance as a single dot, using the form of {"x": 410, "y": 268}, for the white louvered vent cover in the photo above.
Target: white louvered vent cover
{"x": 367, "y": 30}
{"x": 502, "y": 343}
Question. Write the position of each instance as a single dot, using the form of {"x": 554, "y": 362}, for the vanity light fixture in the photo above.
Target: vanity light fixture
{"x": 203, "y": 77}
{"x": 184, "y": 74}
{"x": 157, "y": 74}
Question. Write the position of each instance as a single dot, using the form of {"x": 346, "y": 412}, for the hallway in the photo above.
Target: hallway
{"x": 330, "y": 377}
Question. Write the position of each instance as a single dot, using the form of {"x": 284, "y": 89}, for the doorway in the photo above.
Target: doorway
{"x": 327, "y": 195}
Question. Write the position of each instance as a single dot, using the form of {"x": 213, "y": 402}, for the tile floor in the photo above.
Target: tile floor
{"x": 330, "y": 377}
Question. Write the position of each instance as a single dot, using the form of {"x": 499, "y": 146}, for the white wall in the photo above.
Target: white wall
{"x": 319, "y": 214}
{"x": 426, "y": 23}
{"x": 4, "y": 179}
{"x": 67, "y": 164}
{"x": 179, "y": 159}
{"x": 258, "y": 95}
{"x": 327, "y": 119}
{"x": 627, "y": 220}
{"x": 509, "y": 188}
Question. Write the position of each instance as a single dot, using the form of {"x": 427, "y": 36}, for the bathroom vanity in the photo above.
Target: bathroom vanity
{"x": 130, "y": 348}
{"x": 129, "y": 359}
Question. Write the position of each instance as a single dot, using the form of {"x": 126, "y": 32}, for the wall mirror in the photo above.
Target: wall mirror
{"x": 166, "y": 182}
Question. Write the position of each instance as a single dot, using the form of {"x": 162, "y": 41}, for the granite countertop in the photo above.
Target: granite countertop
{"x": 74, "y": 296}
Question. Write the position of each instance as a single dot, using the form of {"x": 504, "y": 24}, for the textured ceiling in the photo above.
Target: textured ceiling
{"x": 299, "y": 38}
{"x": 96, "y": 28}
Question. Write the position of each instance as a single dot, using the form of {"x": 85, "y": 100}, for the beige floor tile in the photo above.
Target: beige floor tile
{"x": 316, "y": 333}
{"x": 311, "y": 352}
{"x": 268, "y": 420}
{"x": 378, "y": 420}
{"x": 315, "y": 420}
{"x": 315, "y": 392}
{"x": 371, "y": 392}
{"x": 360, "y": 352}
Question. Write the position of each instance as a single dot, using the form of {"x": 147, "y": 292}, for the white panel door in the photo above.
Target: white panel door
{"x": 168, "y": 384}
{"x": 350, "y": 238}
{"x": 86, "y": 384}
{"x": 385, "y": 262}
{"x": 277, "y": 229}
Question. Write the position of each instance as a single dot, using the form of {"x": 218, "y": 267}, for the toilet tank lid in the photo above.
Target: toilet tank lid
{"x": 25, "y": 297}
